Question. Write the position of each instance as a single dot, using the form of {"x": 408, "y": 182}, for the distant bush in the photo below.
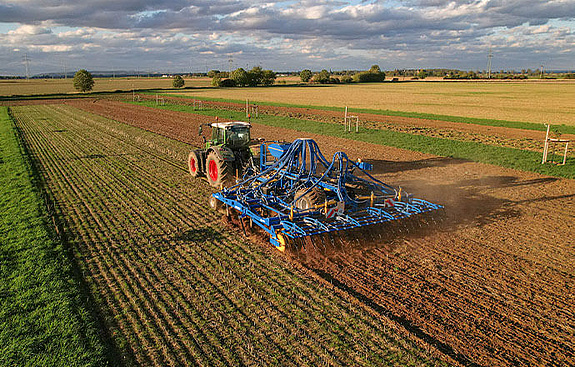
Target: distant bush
{"x": 178, "y": 82}
{"x": 268, "y": 77}
{"x": 322, "y": 77}
{"x": 305, "y": 75}
{"x": 346, "y": 79}
{"x": 227, "y": 83}
{"x": 373, "y": 75}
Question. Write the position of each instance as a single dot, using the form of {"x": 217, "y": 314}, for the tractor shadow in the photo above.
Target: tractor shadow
{"x": 184, "y": 237}
{"x": 204, "y": 234}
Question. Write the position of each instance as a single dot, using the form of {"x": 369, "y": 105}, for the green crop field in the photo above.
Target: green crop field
{"x": 45, "y": 317}
{"x": 527, "y": 101}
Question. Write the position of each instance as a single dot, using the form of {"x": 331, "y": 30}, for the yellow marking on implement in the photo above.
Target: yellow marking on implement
{"x": 283, "y": 242}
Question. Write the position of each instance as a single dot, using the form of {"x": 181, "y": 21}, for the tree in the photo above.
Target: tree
{"x": 216, "y": 80}
{"x": 422, "y": 74}
{"x": 375, "y": 69}
{"x": 83, "y": 81}
{"x": 240, "y": 76}
{"x": 212, "y": 73}
{"x": 227, "y": 83}
{"x": 178, "y": 82}
{"x": 255, "y": 76}
{"x": 305, "y": 75}
{"x": 322, "y": 77}
{"x": 268, "y": 77}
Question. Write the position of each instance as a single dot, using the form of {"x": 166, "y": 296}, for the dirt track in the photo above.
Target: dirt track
{"x": 493, "y": 286}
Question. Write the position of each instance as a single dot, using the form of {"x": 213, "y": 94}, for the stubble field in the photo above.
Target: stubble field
{"x": 526, "y": 101}
{"x": 21, "y": 87}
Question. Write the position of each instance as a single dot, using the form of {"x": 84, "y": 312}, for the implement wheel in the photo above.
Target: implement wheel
{"x": 218, "y": 171}
{"x": 284, "y": 242}
{"x": 314, "y": 197}
{"x": 214, "y": 203}
{"x": 194, "y": 164}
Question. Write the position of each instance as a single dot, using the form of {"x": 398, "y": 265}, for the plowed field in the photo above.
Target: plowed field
{"x": 174, "y": 286}
{"x": 494, "y": 285}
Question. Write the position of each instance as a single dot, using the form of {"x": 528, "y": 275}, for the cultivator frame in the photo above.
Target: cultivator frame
{"x": 299, "y": 194}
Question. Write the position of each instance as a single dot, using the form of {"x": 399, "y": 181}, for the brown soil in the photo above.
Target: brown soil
{"x": 492, "y": 135}
{"x": 494, "y": 284}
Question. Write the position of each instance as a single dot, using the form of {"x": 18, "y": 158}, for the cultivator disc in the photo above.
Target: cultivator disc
{"x": 304, "y": 201}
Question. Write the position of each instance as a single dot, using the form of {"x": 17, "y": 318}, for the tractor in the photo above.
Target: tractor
{"x": 225, "y": 156}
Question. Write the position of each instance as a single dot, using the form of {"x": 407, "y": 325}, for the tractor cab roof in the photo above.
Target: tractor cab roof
{"x": 225, "y": 125}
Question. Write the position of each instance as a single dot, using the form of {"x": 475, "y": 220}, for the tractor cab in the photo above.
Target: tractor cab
{"x": 234, "y": 135}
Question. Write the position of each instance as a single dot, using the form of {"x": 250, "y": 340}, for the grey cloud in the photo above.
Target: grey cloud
{"x": 167, "y": 31}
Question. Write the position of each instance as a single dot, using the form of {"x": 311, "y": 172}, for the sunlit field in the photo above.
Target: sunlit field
{"x": 57, "y": 86}
{"x": 531, "y": 101}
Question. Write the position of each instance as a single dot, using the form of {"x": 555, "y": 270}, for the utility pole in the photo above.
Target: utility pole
{"x": 26, "y": 61}
{"x": 541, "y": 73}
{"x": 489, "y": 57}
{"x": 231, "y": 61}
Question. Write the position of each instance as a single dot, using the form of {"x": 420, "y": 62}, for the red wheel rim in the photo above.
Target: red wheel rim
{"x": 193, "y": 167}
{"x": 213, "y": 170}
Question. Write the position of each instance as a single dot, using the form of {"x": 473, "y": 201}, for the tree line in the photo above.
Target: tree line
{"x": 242, "y": 78}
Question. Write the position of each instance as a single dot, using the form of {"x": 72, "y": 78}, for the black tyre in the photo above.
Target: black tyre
{"x": 218, "y": 172}
{"x": 314, "y": 197}
{"x": 194, "y": 164}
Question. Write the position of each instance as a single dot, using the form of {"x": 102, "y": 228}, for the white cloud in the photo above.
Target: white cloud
{"x": 290, "y": 35}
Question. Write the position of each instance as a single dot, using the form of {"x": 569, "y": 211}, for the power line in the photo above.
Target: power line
{"x": 26, "y": 61}
{"x": 489, "y": 56}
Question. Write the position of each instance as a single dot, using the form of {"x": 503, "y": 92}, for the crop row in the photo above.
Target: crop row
{"x": 175, "y": 287}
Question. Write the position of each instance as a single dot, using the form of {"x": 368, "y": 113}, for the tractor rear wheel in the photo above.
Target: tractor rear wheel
{"x": 194, "y": 164}
{"x": 219, "y": 172}
{"x": 314, "y": 197}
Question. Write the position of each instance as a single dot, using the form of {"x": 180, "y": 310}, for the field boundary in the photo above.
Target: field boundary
{"x": 472, "y": 151}
{"x": 564, "y": 129}
{"x": 48, "y": 314}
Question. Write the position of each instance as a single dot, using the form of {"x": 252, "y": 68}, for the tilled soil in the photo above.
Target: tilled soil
{"x": 492, "y": 285}
{"x": 493, "y": 135}
{"x": 173, "y": 286}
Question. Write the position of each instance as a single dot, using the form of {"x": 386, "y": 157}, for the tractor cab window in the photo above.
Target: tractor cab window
{"x": 218, "y": 135}
{"x": 238, "y": 136}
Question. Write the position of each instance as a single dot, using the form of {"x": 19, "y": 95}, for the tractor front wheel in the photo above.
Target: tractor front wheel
{"x": 218, "y": 171}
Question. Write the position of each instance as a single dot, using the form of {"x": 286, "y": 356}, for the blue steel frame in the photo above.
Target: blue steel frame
{"x": 269, "y": 197}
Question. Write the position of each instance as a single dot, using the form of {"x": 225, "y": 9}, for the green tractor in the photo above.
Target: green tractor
{"x": 225, "y": 156}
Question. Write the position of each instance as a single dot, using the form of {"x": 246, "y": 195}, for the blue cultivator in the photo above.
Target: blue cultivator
{"x": 297, "y": 194}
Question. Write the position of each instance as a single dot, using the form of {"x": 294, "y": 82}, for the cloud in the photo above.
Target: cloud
{"x": 291, "y": 34}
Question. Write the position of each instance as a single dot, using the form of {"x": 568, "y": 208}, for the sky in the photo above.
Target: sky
{"x": 196, "y": 36}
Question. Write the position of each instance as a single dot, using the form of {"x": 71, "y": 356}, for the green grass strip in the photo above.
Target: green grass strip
{"x": 563, "y": 129}
{"x": 473, "y": 151}
{"x": 43, "y": 321}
